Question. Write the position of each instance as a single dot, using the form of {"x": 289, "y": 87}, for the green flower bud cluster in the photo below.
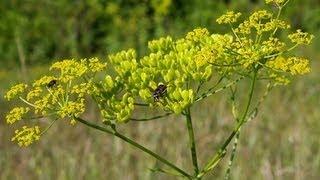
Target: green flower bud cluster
{"x": 124, "y": 62}
{"x": 119, "y": 110}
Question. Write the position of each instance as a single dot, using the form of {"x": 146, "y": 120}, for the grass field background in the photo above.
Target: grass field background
{"x": 282, "y": 142}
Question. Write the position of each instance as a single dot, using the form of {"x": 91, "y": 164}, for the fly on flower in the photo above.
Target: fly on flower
{"x": 159, "y": 92}
{"x": 52, "y": 83}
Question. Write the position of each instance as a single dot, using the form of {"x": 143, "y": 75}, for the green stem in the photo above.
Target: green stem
{"x": 141, "y": 104}
{"x": 27, "y": 102}
{"x": 250, "y": 96}
{"x": 210, "y": 92}
{"x": 278, "y": 16}
{"x": 49, "y": 126}
{"x": 233, "y": 153}
{"x": 192, "y": 142}
{"x": 135, "y": 144}
{"x": 280, "y": 53}
{"x": 220, "y": 154}
{"x": 234, "y": 33}
{"x": 225, "y": 65}
{"x": 151, "y": 118}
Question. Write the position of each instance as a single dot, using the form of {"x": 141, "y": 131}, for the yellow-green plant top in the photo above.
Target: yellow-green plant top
{"x": 182, "y": 65}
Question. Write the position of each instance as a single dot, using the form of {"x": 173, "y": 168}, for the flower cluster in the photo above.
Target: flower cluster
{"x": 300, "y": 37}
{"x": 60, "y": 95}
{"x": 72, "y": 108}
{"x": 16, "y": 114}
{"x": 292, "y": 65}
{"x": 15, "y": 91}
{"x": 255, "y": 47}
{"x": 260, "y": 22}
{"x": 119, "y": 110}
{"x": 27, "y": 135}
{"x": 229, "y": 17}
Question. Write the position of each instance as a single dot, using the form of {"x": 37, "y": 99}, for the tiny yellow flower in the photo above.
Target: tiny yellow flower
{"x": 73, "y": 122}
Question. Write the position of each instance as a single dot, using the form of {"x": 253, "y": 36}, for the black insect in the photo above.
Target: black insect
{"x": 159, "y": 92}
{"x": 52, "y": 83}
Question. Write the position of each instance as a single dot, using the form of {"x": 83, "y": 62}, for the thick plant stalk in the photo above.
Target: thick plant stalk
{"x": 137, "y": 145}
{"x": 192, "y": 142}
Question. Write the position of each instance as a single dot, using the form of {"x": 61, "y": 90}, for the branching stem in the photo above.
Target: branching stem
{"x": 151, "y": 118}
{"x": 192, "y": 142}
{"x": 222, "y": 150}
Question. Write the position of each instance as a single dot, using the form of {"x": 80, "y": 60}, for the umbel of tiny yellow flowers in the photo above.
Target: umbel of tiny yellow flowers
{"x": 300, "y": 37}
{"x": 15, "y": 91}
{"x": 16, "y": 114}
{"x": 292, "y": 65}
{"x": 27, "y": 135}
{"x": 229, "y": 17}
{"x": 62, "y": 99}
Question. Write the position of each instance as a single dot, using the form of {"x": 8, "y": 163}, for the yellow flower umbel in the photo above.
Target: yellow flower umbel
{"x": 59, "y": 96}
{"x": 229, "y": 17}
{"x": 95, "y": 65}
{"x": 300, "y": 37}
{"x": 69, "y": 69}
{"x": 16, "y": 114}
{"x": 27, "y": 135}
{"x": 72, "y": 109}
{"x": 292, "y": 65}
{"x": 15, "y": 91}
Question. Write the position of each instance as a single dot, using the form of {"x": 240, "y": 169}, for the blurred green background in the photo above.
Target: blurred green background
{"x": 283, "y": 142}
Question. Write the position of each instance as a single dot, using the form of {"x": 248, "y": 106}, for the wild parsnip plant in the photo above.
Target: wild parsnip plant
{"x": 173, "y": 77}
